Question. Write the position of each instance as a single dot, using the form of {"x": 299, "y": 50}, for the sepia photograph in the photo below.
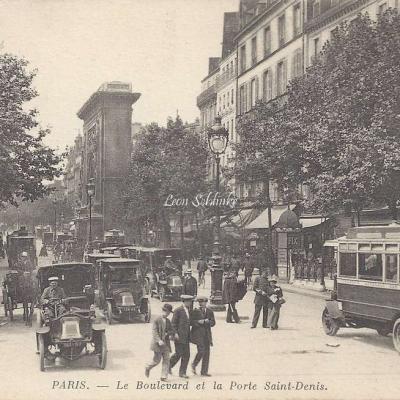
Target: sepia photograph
{"x": 199, "y": 199}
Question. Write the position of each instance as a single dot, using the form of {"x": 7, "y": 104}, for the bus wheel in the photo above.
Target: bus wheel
{"x": 330, "y": 326}
{"x": 396, "y": 335}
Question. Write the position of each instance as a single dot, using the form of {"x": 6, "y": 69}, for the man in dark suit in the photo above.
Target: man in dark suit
{"x": 189, "y": 284}
{"x": 160, "y": 343}
{"x": 181, "y": 326}
{"x": 202, "y": 320}
{"x": 261, "y": 298}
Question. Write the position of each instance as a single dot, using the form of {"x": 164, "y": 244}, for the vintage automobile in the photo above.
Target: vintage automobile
{"x": 367, "y": 293}
{"x": 93, "y": 259}
{"x": 19, "y": 242}
{"x": 123, "y": 290}
{"x": 67, "y": 327}
{"x": 163, "y": 283}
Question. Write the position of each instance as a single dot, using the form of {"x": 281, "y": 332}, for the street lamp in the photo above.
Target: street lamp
{"x": 90, "y": 190}
{"x": 218, "y": 138}
{"x": 55, "y": 219}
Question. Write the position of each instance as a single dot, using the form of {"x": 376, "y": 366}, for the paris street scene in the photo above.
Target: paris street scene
{"x": 199, "y": 199}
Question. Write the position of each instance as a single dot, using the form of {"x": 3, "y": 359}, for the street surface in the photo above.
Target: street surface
{"x": 352, "y": 365}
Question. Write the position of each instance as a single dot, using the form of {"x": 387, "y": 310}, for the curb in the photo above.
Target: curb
{"x": 309, "y": 293}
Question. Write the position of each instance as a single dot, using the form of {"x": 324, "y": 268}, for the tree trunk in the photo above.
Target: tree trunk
{"x": 165, "y": 229}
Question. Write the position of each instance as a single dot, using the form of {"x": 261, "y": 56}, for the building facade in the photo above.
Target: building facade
{"x": 73, "y": 172}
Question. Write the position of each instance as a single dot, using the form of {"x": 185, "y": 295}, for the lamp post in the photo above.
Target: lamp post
{"x": 90, "y": 190}
{"x": 218, "y": 138}
{"x": 55, "y": 220}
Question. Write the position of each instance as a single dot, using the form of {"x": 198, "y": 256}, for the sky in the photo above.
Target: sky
{"x": 160, "y": 46}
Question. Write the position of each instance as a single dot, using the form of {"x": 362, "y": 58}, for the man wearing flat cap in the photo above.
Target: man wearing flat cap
{"x": 202, "y": 320}
{"x": 189, "y": 284}
{"x": 160, "y": 344}
{"x": 181, "y": 326}
{"x": 51, "y": 293}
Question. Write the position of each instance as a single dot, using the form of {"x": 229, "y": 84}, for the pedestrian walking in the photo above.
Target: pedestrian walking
{"x": 181, "y": 326}
{"x": 230, "y": 297}
{"x": 248, "y": 267}
{"x": 201, "y": 269}
{"x": 202, "y": 320}
{"x": 189, "y": 284}
{"x": 160, "y": 344}
{"x": 261, "y": 287}
{"x": 275, "y": 302}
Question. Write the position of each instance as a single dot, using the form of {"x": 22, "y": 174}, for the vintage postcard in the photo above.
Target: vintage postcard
{"x": 199, "y": 199}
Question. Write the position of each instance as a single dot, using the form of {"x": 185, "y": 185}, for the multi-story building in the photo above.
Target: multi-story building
{"x": 323, "y": 17}
{"x": 207, "y": 102}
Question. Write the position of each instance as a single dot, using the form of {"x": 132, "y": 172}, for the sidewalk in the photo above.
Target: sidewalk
{"x": 287, "y": 287}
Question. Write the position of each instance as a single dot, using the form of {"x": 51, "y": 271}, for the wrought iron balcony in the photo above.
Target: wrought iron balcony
{"x": 207, "y": 96}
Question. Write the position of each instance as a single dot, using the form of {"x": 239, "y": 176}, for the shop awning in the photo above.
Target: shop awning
{"x": 333, "y": 242}
{"x": 241, "y": 219}
{"x": 261, "y": 222}
{"x": 310, "y": 222}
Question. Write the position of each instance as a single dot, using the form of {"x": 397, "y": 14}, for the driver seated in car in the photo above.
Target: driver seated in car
{"x": 169, "y": 266}
{"x": 51, "y": 294}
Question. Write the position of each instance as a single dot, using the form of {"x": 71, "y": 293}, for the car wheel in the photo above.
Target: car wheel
{"x": 396, "y": 335}
{"x": 103, "y": 354}
{"x": 41, "y": 352}
{"x": 330, "y": 326}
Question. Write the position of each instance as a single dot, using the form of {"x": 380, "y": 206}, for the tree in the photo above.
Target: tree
{"x": 346, "y": 112}
{"x": 166, "y": 163}
{"x": 337, "y": 129}
{"x": 25, "y": 162}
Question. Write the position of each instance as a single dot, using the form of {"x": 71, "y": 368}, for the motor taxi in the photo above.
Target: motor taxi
{"x": 67, "y": 327}
{"x": 123, "y": 290}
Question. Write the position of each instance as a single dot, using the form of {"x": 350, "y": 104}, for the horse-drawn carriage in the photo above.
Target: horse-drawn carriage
{"x": 18, "y": 284}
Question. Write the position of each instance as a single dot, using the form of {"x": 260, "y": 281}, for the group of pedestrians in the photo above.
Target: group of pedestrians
{"x": 268, "y": 299}
{"x": 188, "y": 325}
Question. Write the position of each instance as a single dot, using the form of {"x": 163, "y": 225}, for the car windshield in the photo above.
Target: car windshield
{"x": 122, "y": 275}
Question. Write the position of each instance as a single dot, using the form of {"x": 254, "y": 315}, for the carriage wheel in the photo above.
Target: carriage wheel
{"x": 5, "y": 301}
{"x": 330, "y": 326}
{"x": 41, "y": 352}
{"x": 10, "y": 310}
{"x": 103, "y": 354}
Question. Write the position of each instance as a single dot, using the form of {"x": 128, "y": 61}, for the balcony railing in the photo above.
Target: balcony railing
{"x": 207, "y": 95}
{"x": 226, "y": 77}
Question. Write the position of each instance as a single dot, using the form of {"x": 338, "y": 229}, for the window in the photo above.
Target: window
{"x": 223, "y": 102}
{"x": 370, "y": 266}
{"x": 253, "y": 93}
{"x": 391, "y": 267}
{"x": 296, "y": 20}
{"x": 382, "y": 8}
{"x": 231, "y": 130}
{"x": 315, "y": 9}
{"x": 281, "y": 79}
{"x": 254, "y": 50}
{"x": 242, "y": 100}
{"x": 243, "y": 58}
{"x": 232, "y": 97}
{"x": 282, "y": 30}
{"x": 297, "y": 64}
{"x": 267, "y": 85}
{"x": 267, "y": 41}
{"x": 231, "y": 67}
{"x": 347, "y": 264}
{"x": 316, "y": 47}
